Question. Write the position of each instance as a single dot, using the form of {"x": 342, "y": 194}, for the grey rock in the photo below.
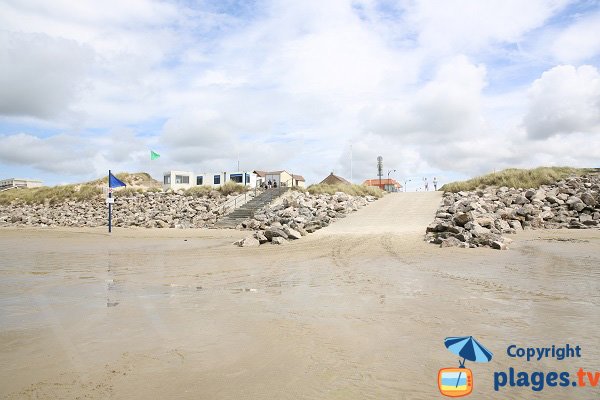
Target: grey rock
{"x": 275, "y": 232}
{"x": 291, "y": 233}
{"x": 278, "y": 240}
{"x": 247, "y": 242}
{"x": 463, "y": 218}
{"x": 498, "y": 245}
{"x": 588, "y": 199}
{"x": 450, "y": 242}
{"x": 261, "y": 237}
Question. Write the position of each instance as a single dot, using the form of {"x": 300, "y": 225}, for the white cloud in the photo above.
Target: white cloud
{"x": 434, "y": 87}
{"x": 565, "y": 99}
{"x": 40, "y": 76}
{"x": 447, "y": 106}
{"x": 579, "y": 42}
{"x": 468, "y": 25}
{"x": 59, "y": 154}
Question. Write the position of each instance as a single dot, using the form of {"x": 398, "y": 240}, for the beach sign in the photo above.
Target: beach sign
{"x": 458, "y": 382}
{"x": 113, "y": 182}
{"x": 455, "y": 382}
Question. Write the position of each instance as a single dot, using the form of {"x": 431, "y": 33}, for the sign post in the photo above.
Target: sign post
{"x": 110, "y": 202}
{"x": 113, "y": 182}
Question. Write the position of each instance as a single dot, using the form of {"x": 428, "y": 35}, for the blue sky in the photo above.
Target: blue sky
{"x": 450, "y": 89}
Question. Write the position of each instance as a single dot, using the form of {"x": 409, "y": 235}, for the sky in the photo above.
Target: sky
{"x": 440, "y": 88}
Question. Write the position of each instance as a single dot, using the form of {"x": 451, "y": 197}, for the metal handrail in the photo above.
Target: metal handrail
{"x": 229, "y": 202}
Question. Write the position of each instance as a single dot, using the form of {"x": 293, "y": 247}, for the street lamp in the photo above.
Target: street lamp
{"x": 389, "y": 172}
{"x": 405, "y": 181}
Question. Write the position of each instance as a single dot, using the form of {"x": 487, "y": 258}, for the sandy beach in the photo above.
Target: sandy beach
{"x": 358, "y": 310}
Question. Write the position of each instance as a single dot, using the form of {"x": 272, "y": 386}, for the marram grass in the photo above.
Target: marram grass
{"x": 354, "y": 190}
{"x": 517, "y": 178}
{"x": 51, "y": 195}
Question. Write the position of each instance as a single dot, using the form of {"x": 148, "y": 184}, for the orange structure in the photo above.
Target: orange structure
{"x": 389, "y": 185}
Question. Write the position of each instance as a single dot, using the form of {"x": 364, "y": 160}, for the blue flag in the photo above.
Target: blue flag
{"x": 113, "y": 181}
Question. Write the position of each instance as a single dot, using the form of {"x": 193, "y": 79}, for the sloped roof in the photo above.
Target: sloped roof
{"x": 298, "y": 177}
{"x": 334, "y": 180}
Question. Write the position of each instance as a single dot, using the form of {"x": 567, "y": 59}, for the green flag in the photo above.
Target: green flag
{"x": 154, "y": 155}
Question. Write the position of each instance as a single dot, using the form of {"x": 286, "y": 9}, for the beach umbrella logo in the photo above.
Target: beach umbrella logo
{"x": 458, "y": 382}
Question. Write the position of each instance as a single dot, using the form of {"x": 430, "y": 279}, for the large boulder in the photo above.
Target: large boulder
{"x": 247, "y": 242}
{"x": 260, "y": 237}
{"x": 292, "y": 233}
{"x": 278, "y": 240}
{"x": 588, "y": 199}
{"x": 275, "y": 232}
{"x": 462, "y": 218}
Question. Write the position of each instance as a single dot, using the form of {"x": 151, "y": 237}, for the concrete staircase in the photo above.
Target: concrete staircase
{"x": 247, "y": 211}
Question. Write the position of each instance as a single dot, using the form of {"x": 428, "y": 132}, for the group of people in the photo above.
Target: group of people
{"x": 435, "y": 183}
{"x": 269, "y": 184}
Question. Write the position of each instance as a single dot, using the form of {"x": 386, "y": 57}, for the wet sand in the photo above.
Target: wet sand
{"x": 345, "y": 313}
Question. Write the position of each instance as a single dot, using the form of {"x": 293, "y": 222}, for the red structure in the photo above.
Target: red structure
{"x": 389, "y": 185}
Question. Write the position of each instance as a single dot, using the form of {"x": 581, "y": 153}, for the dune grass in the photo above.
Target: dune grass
{"x": 79, "y": 192}
{"x": 225, "y": 189}
{"x": 353, "y": 190}
{"x": 53, "y": 195}
{"x": 516, "y": 178}
{"x": 131, "y": 179}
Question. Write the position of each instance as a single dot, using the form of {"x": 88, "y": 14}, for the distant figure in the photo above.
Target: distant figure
{"x": 426, "y": 185}
{"x": 269, "y": 184}
{"x": 434, "y": 183}
{"x": 274, "y": 184}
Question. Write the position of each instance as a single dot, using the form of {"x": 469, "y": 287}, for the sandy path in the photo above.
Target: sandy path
{"x": 340, "y": 314}
{"x": 397, "y": 213}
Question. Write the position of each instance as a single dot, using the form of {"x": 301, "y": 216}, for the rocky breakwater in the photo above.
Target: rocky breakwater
{"x": 482, "y": 218}
{"x": 298, "y": 214}
{"x": 146, "y": 209}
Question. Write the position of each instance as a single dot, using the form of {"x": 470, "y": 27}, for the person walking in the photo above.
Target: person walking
{"x": 426, "y": 185}
{"x": 269, "y": 184}
{"x": 434, "y": 183}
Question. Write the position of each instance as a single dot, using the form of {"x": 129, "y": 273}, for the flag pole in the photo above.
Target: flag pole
{"x": 109, "y": 205}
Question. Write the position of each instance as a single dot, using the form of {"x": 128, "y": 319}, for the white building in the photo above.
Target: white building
{"x": 280, "y": 178}
{"x": 19, "y": 183}
{"x": 186, "y": 179}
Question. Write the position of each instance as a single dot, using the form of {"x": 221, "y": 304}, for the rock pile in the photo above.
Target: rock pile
{"x": 148, "y": 209}
{"x": 298, "y": 215}
{"x": 480, "y": 218}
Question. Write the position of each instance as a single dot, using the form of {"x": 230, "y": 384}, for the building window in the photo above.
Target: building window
{"x": 167, "y": 180}
{"x": 247, "y": 178}
{"x": 199, "y": 180}
{"x": 182, "y": 179}
{"x": 217, "y": 179}
{"x": 237, "y": 178}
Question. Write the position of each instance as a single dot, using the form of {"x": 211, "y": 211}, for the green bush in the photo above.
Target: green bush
{"x": 199, "y": 191}
{"x": 353, "y": 190}
{"x": 516, "y": 178}
{"x": 232, "y": 187}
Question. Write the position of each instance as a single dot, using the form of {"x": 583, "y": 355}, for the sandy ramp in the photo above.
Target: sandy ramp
{"x": 398, "y": 213}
